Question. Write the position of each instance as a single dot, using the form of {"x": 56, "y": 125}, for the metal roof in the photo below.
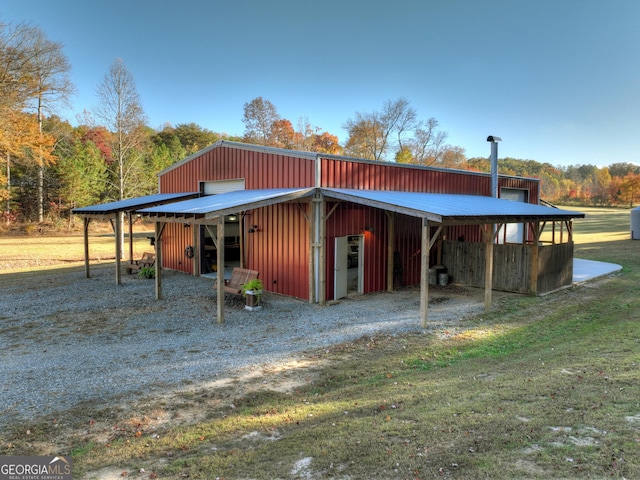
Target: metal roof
{"x": 131, "y": 204}
{"x": 436, "y": 207}
{"x": 212, "y": 206}
{"x": 451, "y": 208}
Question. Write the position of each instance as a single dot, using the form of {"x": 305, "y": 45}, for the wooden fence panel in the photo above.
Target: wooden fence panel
{"x": 511, "y": 267}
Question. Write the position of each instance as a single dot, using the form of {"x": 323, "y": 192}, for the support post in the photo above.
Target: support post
{"x": 313, "y": 219}
{"x": 87, "y": 273}
{"x": 535, "y": 254}
{"x": 424, "y": 273}
{"x": 158, "y": 245}
{"x": 488, "y": 261}
{"x": 196, "y": 261}
{"x": 118, "y": 233}
{"x": 220, "y": 261}
{"x": 391, "y": 248}
{"x": 130, "y": 217}
{"x": 323, "y": 252}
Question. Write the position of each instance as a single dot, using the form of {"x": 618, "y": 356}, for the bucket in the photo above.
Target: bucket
{"x": 443, "y": 279}
{"x": 433, "y": 276}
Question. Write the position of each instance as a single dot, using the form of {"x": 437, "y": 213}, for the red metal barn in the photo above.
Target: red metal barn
{"x": 278, "y": 239}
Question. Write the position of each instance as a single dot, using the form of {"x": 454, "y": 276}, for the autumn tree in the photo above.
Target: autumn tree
{"x": 26, "y": 63}
{"x": 324, "y": 142}
{"x": 629, "y": 189}
{"x": 50, "y": 69}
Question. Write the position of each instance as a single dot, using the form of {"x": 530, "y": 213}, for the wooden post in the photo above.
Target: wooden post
{"x": 535, "y": 250}
{"x": 241, "y": 238}
{"x": 313, "y": 219}
{"x": 220, "y": 261}
{"x": 130, "y": 216}
{"x": 195, "y": 241}
{"x": 87, "y": 274}
{"x": 118, "y": 233}
{"x": 391, "y": 248}
{"x": 424, "y": 273}
{"x": 322, "y": 248}
{"x": 488, "y": 261}
{"x": 158, "y": 245}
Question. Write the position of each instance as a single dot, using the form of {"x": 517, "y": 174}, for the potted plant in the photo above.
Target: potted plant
{"x": 147, "y": 272}
{"x": 252, "y": 291}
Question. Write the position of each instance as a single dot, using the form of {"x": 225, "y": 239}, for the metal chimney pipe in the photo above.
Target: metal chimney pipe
{"x": 494, "y": 164}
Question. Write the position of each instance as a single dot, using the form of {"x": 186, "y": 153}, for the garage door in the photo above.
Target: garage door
{"x": 221, "y": 186}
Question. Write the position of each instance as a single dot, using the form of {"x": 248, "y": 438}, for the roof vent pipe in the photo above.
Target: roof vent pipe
{"x": 494, "y": 164}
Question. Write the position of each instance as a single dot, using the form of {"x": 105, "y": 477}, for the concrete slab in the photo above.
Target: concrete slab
{"x": 585, "y": 270}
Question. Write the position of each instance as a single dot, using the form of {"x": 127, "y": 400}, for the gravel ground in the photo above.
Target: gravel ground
{"x": 67, "y": 341}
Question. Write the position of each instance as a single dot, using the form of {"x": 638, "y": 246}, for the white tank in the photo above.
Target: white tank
{"x": 635, "y": 224}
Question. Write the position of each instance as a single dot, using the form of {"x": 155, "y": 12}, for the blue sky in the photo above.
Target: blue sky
{"x": 557, "y": 80}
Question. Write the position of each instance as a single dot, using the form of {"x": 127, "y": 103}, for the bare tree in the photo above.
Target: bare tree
{"x": 259, "y": 117}
{"x": 121, "y": 112}
{"x": 370, "y": 134}
{"x": 426, "y": 145}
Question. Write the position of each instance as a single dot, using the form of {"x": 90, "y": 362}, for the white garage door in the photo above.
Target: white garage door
{"x": 222, "y": 186}
{"x": 512, "y": 232}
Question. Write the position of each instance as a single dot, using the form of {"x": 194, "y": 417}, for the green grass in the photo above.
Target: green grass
{"x": 539, "y": 387}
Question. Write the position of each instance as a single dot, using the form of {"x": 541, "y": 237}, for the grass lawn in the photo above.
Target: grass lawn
{"x": 539, "y": 387}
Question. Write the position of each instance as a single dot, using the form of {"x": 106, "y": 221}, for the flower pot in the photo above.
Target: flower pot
{"x": 252, "y": 300}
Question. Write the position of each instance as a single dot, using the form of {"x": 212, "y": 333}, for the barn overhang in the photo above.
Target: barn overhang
{"x": 208, "y": 209}
{"x": 113, "y": 210}
{"x": 452, "y": 209}
{"x": 434, "y": 209}
{"x": 440, "y": 210}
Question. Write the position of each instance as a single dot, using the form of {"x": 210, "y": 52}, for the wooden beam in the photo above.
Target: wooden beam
{"x": 87, "y": 274}
{"x": 130, "y": 218}
{"x": 117, "y": 231}
{"x": 158, "y": 244}
{"x": 536, "y": 230}
{"x": 435, "y": 237}
{"x": 322, "y": 248}
{"x": 391, "y": 248}
{"x": 424, "y": 273}
{"x": 489, "y": 238}
{"x": 220, "y": 260}
{"x": 197, "y": 251}
{"x": 311, "y": 223}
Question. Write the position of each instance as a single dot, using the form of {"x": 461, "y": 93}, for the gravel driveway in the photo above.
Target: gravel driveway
{"x": 68, "y": 341}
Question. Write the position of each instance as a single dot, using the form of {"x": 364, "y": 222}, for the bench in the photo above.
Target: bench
{"x": 239, "y": 276}
{"x": 148, "y": 260}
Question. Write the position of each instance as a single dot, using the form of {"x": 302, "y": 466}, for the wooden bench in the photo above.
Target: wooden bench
{"x": 239, "y": 276}
{"x": 148, "y": 260}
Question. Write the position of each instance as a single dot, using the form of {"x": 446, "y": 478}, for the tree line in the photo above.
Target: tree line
{"x": 52, "y": 166}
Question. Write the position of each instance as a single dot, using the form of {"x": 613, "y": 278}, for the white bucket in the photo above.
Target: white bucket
{"x": 443, "y": 279}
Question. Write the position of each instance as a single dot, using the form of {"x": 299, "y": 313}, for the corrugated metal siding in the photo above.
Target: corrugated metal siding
{"x": 340, "y": 173}
{"x": 259, "y": 169}
{"x": 175, "y": 238}
{"x": 351, "y": 219}
{"x": 279, "y": 249}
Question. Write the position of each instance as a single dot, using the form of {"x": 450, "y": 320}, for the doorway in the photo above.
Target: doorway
{"x": 348, "y": 266}
{"x": 231, "y": 242}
